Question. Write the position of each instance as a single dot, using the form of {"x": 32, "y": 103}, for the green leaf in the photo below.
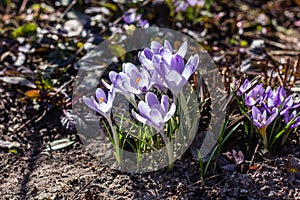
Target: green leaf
{"x": 110, "y": 6}
{"x": 243, "y": 43}
{"x": 25, "y": 29}
{"x": 13, "y": 151}
{"x": 59, "y": 144}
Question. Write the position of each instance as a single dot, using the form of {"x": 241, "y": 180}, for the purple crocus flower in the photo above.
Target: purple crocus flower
{"x": 286, "y": 104}
{"x": 254, "y": 96}
{"x": 154, "y": 113}
{"x": 103, "y": 104}
{"x": 261, "y": 120}
{"x": 277, "y": 100}
{"x": 288, "y": 118}
{"x": 147, "y": 54}
{"x": 172, "y": 70}
{"x": 246, "y": 86}
{"x": 180, "y": 6}
{"x": 143, "y": 23}
{"x": 130, "y": 17}
{"x": 131, "y": 80}
{"x": 196, "y": 3}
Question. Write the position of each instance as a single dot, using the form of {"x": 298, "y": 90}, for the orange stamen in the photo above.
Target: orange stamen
{"x": 101, "y": 99}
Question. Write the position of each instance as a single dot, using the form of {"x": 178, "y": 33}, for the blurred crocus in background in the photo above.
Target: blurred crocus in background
{"x": 255, "y": 95}
{"x": 131, "y": 17}
{"x": 261, "y": 120}
{"x": 293, "y": 116}
{"x": 270, "y": 107}
{"x": 244, "y": 87}
{"x": 182, "y": 5}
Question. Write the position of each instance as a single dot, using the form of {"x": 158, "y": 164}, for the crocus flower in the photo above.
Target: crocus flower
{"x": 196, "y": 2}
{"x": 173, "y": 71}
{"x": 143, "y": 23}
{"x": 261, "y": 120}
{"x": 103, "y": 104}
{"x": 154, "y": 113}
{"x": 180, "y": 6}
{"x": 130, "y": 17}
{"x": 276, "y": 100}
{"x": 131, "y": 80}
{"x": 286, "y": 104}
{"x": 246, "y": 86}
{"x": 254, "y": 96}
{"x": 146, "y": 56}
{"x": 288, "y": 118}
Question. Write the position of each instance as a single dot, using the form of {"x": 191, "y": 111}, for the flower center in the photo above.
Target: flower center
{"x": 101, "y": 99}
{"x": 138, "y": 80}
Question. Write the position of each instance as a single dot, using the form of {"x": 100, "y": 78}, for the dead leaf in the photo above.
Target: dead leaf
{"x": 59, "y": 144}
{"x": 32, "y": 94}
{"x": 293, "y": 164}
{"x": 7, "y": 144}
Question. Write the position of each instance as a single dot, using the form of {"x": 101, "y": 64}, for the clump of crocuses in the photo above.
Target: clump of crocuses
{"x": 131, "y": 17}
{"x": 272, "y": 112}
{"x": 146, "y": 88}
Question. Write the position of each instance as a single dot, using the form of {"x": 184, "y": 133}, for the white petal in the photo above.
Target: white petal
{"x": 139, "y": 117}
{"x": 170, "y": 113}
{"x": 182, "y": 50}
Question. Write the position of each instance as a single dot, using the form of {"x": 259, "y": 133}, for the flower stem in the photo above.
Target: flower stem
{"x": 118, "y": 150}
{"x": 169, "y": 150}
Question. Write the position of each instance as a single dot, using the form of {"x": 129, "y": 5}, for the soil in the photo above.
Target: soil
{"x": 27, "y": 171}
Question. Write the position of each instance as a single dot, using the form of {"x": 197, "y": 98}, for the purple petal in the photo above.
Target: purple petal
{"x": 177, "y": 63}
{"x": 144, "y": 109}
{"x": 100, "y": 95}
{"x": 146, "y": 62}
{"x": 148, "y": 53}
{"x": 271, "y": 118}
{"x": 113, "y": 77}
{"x": 192, "y": 2}
{"x": 257, "y": 123}
{"x": 128, "y": 67}
{"x": 139, "y": 117}
{"x": 144, "y": 23}
{"x": 129, "y": 17}
{"x": 246, "y": 85}
{"x": 155, "y": 46}
{"x": 165, "y": 103}
{"x": 255, "y": 112}
{"x": 151, "y": 99}
{"x": 90, "y": 102}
